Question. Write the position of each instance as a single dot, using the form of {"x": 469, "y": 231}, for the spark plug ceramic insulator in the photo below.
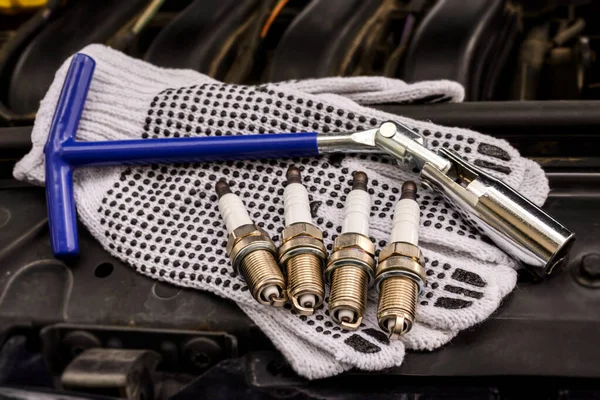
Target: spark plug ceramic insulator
{"x": 302, "y": 252}
{"x": 405, "y": 225}
{"x": 400, "y": 273}
{"x": 251, "y": 250}
{"x": 351, "y": 267}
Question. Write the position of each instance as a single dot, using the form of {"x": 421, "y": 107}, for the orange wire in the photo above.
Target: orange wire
{"x": 272, "y": 17}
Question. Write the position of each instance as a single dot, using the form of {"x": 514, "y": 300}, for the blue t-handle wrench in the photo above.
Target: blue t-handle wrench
{"x": 63, "y": 153}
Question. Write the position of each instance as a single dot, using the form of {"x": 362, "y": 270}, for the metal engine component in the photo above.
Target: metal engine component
{"x": 252, "y": 251}
{"x": 400, "y": 278}
{"x": 351, "y": 266}
{"x": 302, "y": 252}
{"x": 400, "y": 274}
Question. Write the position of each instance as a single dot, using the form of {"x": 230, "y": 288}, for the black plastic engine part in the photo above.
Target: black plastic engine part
{"x": 217, "y": 37}
{"x": 317, "y": 42}
{"x": 10, "y": 54}
{"x": 468, "y": 44}
{"x": 79, "y": 23}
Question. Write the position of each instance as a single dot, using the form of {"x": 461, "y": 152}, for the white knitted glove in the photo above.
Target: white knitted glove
{"x": 163, "y": 220}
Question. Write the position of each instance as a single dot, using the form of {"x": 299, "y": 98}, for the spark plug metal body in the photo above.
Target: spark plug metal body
{"x": 302, "y": 252}
{"x": 401, "y": 274}
{"x": 351, "y": 267}
{"x": 251, "y": 250}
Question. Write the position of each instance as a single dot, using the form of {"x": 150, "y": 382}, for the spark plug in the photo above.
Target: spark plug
{"x": 401, "y": 273}
{"x": 251, "y": 250}
{"x": 302, "y": 252}
{"x": 351, "y": 266}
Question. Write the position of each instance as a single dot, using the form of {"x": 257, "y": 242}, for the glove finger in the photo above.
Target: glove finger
{"x": 461, "y": 291}
{"x": 423, "y": 337}
{"x": 381, "y": 90}
{"x": 535, "y": 185}
{"x": 427, "y": 92}
{"x": 343, "y": 85}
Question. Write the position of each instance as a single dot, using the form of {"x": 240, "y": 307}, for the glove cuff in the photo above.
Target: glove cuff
{"x": 116, "y": 107}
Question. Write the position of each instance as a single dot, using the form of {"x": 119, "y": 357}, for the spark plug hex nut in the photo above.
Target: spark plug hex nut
{"x": 401, "y": 249}
{"x": 301, "y": 229}
{"x": 245, "y": 239}
{"x": 355, "y": 249}
{"x": 401, "y": 260}
{"x": 300, "y": 238}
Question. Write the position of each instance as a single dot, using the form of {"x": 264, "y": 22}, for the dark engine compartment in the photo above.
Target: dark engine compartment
{"x": 530, "y": 72}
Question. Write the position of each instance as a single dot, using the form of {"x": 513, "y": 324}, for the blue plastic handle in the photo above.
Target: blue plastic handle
{"x": 63, "y": 153}
{"x": 62, "y": 218}
{"x": 171, "y": 150}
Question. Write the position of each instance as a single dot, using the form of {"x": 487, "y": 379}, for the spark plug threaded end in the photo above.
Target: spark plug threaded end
{"x": 396, "y": 309}
{"x": 264, "y": 278}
